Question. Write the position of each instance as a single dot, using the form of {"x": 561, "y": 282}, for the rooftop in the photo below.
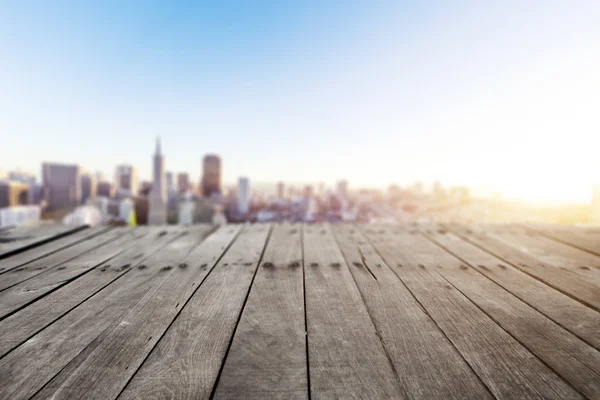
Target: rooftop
{"x": 297, "y": 311}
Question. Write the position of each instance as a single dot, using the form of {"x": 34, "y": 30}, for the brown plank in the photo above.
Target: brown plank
{"x": 44, "y": 250}
{"x": 187, "y": 360}
{"x": 581, "y": 320}
{"x": 15, "y": 240}
{"x": 24, "y": 293}
{"x": 17, "y": 328}
{"x": 565, "y": 281}
{"x": 26, "y": 369}
{"x": 427, "y": 363}
{"x": 56, "y": 260}
{"x": 552, "y": 253}
{"x": 346, "y": 357}
{"x": 507, "y": 368}
{"x": 267, "y": 358}
{"x": 574, "y": 360}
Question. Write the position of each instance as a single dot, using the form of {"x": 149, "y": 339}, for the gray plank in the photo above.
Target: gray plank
{"x": 17, "y": 328}
{"x": 26, "y": 369}
{"x": 267, "y": 358}
{"x": 24, "y": 293}
{"x": 55, "y": 260}
{"x": 571, "y": 358}
{"x": 507, "y": 368}
{"x": 562, "y": 309}
{"x": 427, "y": 363}
{"x": 127, "y": 343}
{"x": 28, "y": 238}
{"x": 44, "y": 250}
{"x": 186, "y": 362}
{"x": 346, "y": 357}
{"x": 552, "y": 253}
{"x": 566, "y": 281}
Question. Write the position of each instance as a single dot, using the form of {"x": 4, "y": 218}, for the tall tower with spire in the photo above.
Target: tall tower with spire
{"x": 157, "y": 210}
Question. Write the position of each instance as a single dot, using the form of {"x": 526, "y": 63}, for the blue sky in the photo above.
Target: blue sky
{"x": 501, "y": 94}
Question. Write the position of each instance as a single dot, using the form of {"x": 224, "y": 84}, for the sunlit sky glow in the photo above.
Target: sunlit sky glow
{"x": 502, "y": 94}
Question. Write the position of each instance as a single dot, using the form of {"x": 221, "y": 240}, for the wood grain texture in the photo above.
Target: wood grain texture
{"x": 187, "y": 360}
{"x": 584, "y": 238}
{"x": 19, "y": 295}
{"x": 108, "y": 368}
{"x": 567, "y": 355}
{"x": 552, "y": 253}
{"x": 510, "y": 371}
{"x": 346, "y": 357}
{"x": 267, "y": 358}
{"x": 26, "y": 369}
{"x": 566, "y": 281}
{"x": 55, "y": 260}
{"x": 29, "y": 237}
{"x": 22, "y": 325}
{"x": 428, "y": 365}
{"x": 562, "y": 309}
{"x": 46, "y": 249}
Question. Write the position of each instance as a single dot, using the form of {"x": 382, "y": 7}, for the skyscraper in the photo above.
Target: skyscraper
{"x": 126, "y": 179}
{"x": 342, "y": 189}
{"x": 62, "y": 185}
{"x": 243, "y": 195}
{"x": 211, "y": 175}
{"x": 157, "y": 213}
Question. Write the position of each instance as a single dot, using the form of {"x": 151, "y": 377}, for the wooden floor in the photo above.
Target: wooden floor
{"x": 300, "y": 311}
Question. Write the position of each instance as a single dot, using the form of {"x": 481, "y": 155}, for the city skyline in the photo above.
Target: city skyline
{"x": 502, "y": 95}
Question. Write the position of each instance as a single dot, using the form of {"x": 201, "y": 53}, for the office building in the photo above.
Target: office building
{"x": 183, "y": 182}
{"x": 126, "y": 180}
{"x": 13, "y": 193}
{"x": 88, "y": 187}
{"x": 243, "y": 195}
{"x": 211, "y": 175}
{"x": 157, "y": 212}
{"x": 105, "y": 189}
{"x": 62, "y": 185}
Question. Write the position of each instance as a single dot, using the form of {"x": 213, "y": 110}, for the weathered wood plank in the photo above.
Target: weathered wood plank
{"x": 509, "y": 370}
{"x": 583, "y": 238}
{"x": 267, "y": 358}
{"x": 581, "y": 320}
{"x": 427, "y": 363}
{"x": 552, "y": 253}
{"x": 187, "y": 360}
{"x": 26, "y": 369}
{"x": 567, "y": 282}
{"x": 26, "y": 240}
{"x": 44, "y": 250}
{"x": 346, "y": 357}
{"x": 55, "y": 260}
{"x": 17, "y": 328}
{"x": 108, "y": 368}
{"x": 567, "y": 355}
{"x": 19, "y": 295}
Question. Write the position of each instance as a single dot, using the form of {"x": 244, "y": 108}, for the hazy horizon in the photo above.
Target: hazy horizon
{"x": 501, "y": 95}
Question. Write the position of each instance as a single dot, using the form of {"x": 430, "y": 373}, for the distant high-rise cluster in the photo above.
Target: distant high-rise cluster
{"x": 126, "y": 180}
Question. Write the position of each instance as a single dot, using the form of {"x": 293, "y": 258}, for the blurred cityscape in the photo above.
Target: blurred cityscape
{"x": 70, "y": 194}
